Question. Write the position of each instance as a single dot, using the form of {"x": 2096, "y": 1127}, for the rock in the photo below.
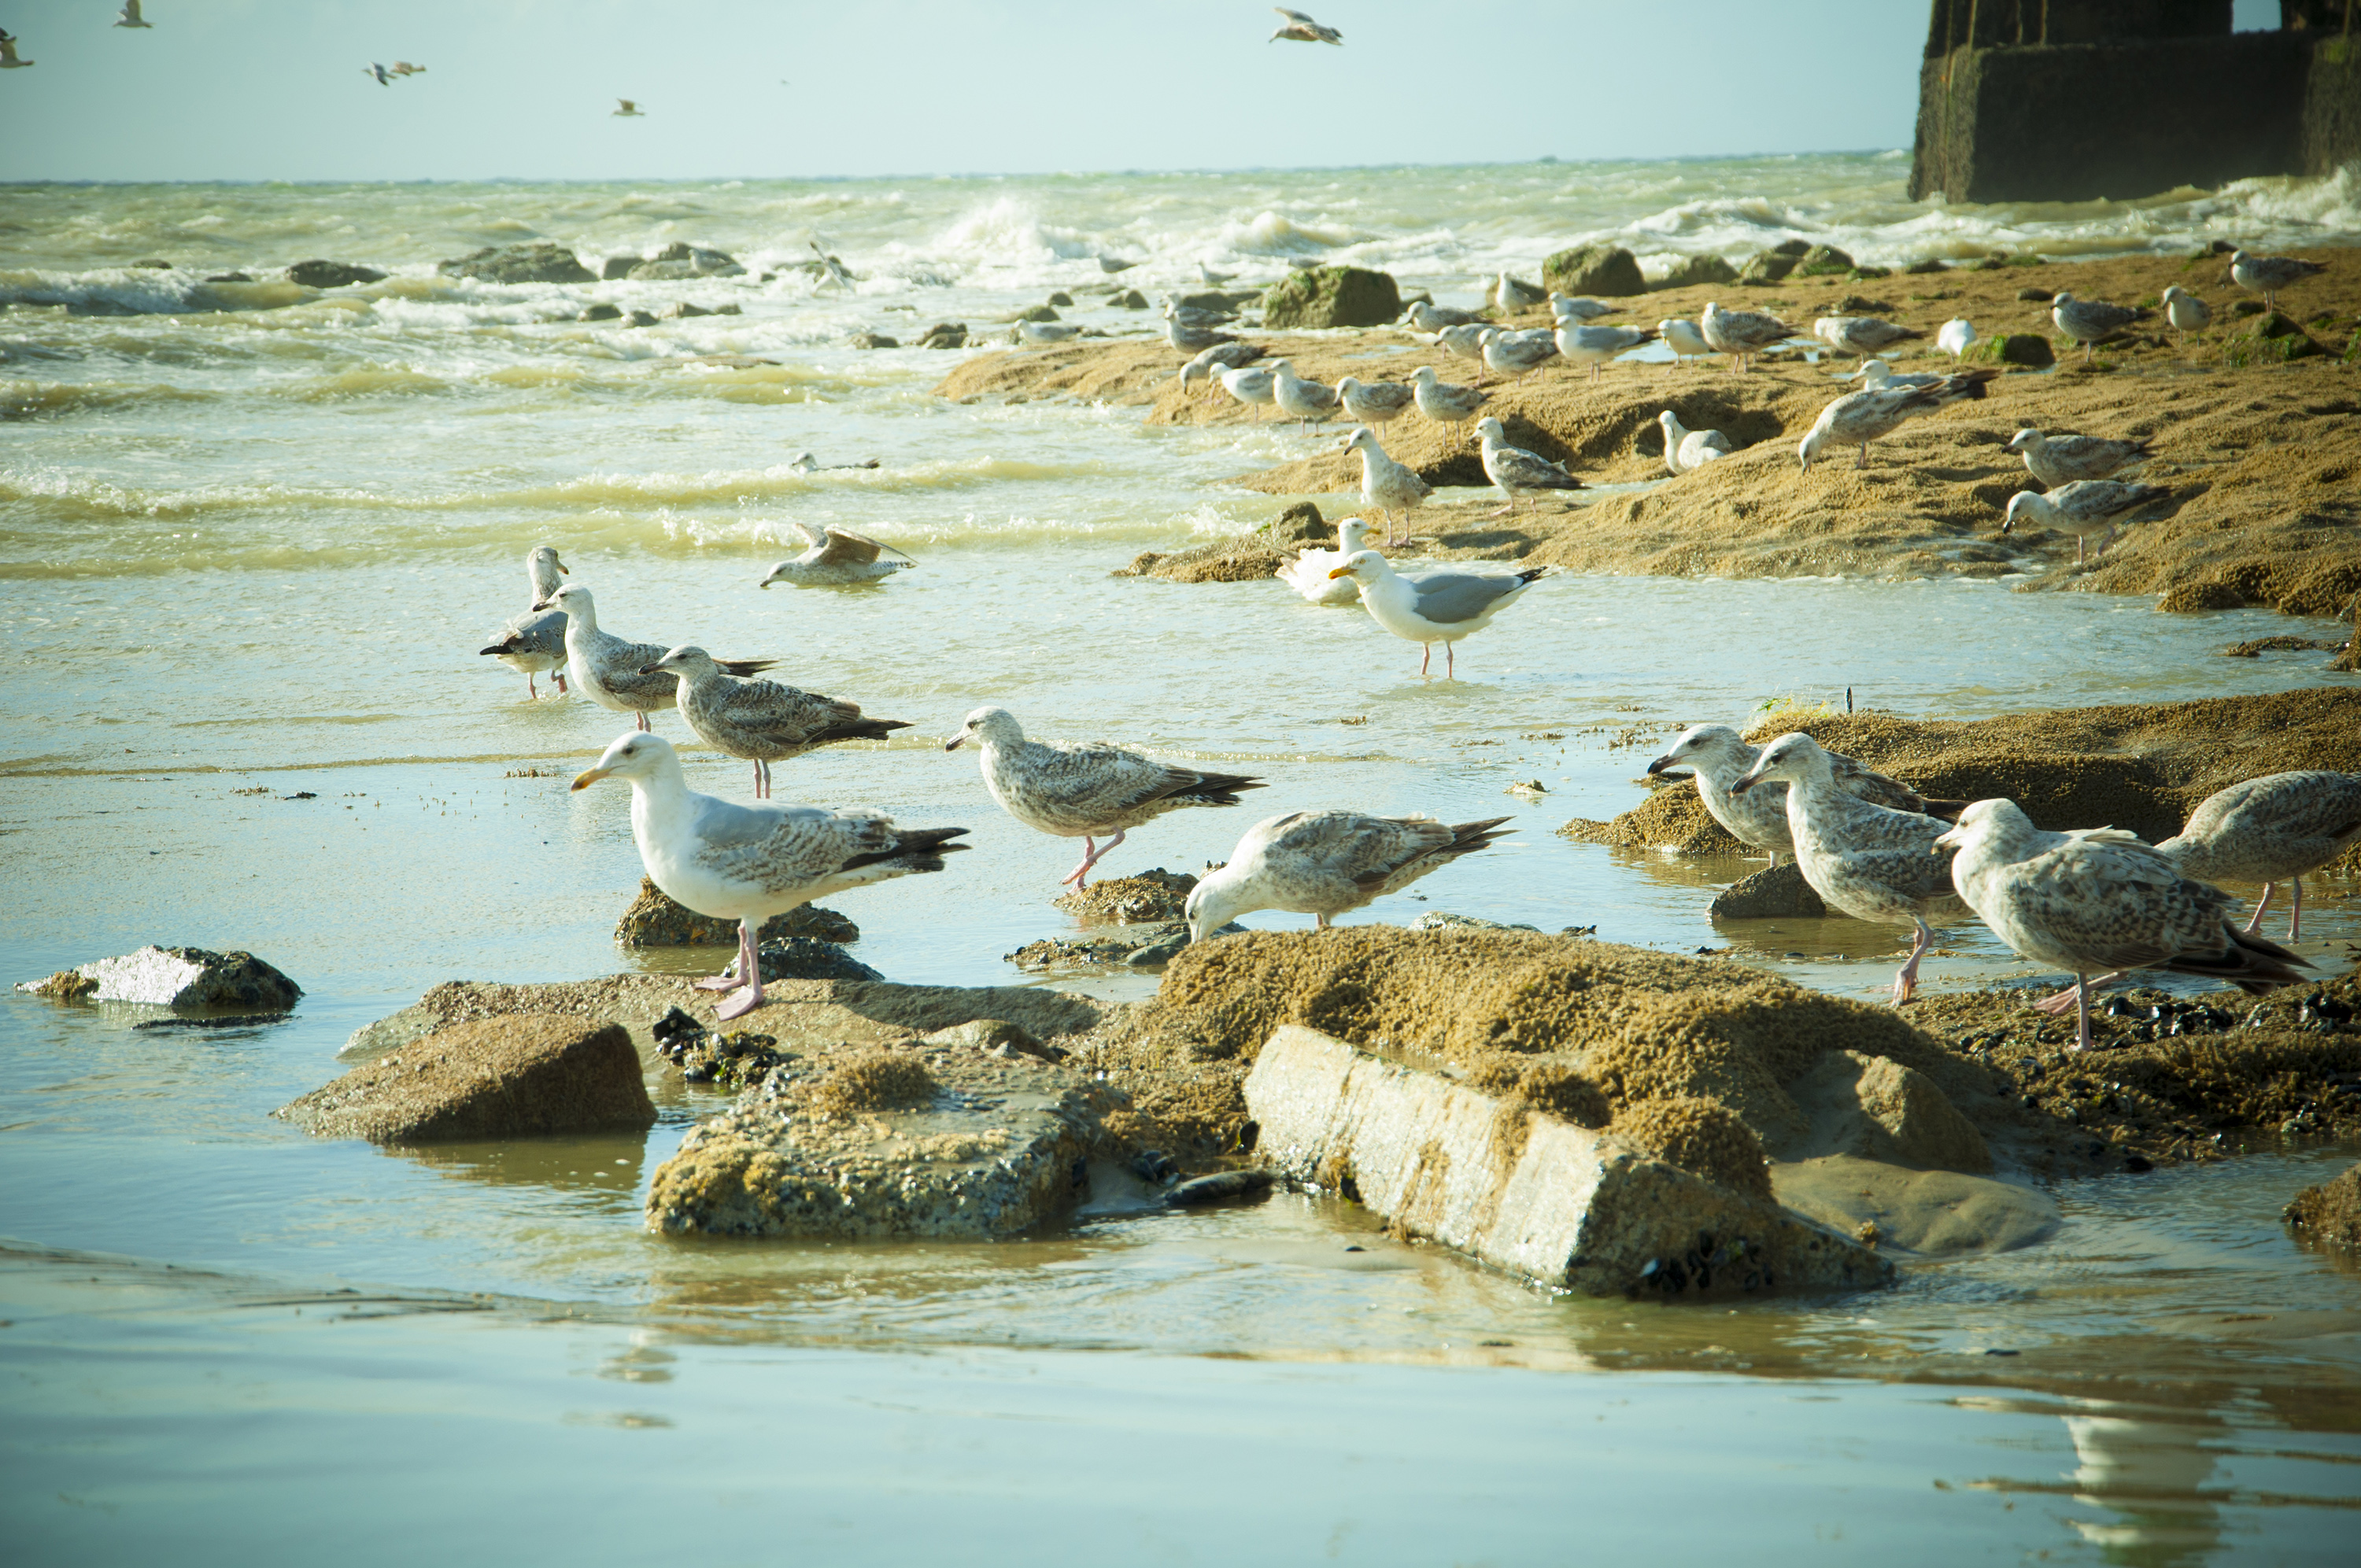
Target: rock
{"x": 153, "y": 264}
{"x": 1765, "y": 267}
{"x": 1820, "y": 261}
{"x": 2330, "y": 1212}
{"x": 1876, "y": 1108}
{"x": 1601, "y": 268}
{"x": 540, "y": 263}
{"x": 1922, "y": 269}
{"x": 498, "y": 1077}
{"x": 2273, "y": 337}
{"x": 681, "y": 310}
{"x": 1571, "y": 1207}
{"x": 903, "y": 1139}
{"x": 1155, "y": 894}
{"x": 656, "y": 921}
{"x": 1775, "y": 893}
{"x": 807, "y": 958}
{"x": 601, "y": 311}
{"x": 663, "y": 272}
{"x": 176, "y": 977}
{"x": 1444, "y": 920}
{"x": 1062, "y": 297}
{"x": 1219, "y": 1187}
{"x": 1248, "y": 557}
{"x": 617, "y": 267}
{"x": 872, "y": 340}
{"x": 1128, "y": 300}
{"x": 2247, "y": 307}
{"x": 230, "y": 278}
{"x": 2037, "y": 296}
{"x": 1145, "y": 945}
{"x": 945, "y": 334}
{"x": 640, "y": 318}
{"x": 2191, "y": 597}
{"x": 1156, "y": 955}
{"x": 331, "y": 274}
{"x": 994, "y": 1037}
{"x": 678, "y": 260}
{"x": 1692, "y": 271}
{"x": 1035, "y": 314}
{"x": 2026, "y": 348}
{"x": 1332, "y": 297}
{"x": 1938, "y": 1213}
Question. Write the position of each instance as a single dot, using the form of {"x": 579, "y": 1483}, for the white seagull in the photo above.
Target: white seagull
{"x": 1308, "y": 572}
{"x": 1386, "y": 485}
{"x": 1434, "y": 606}
{"x": 2268, "y": 274}
{"x": 1247, "y": 383}
{"x": 1579, "y": 307}
{"x": 610, "y": 669}
{"x": 1517, "y": 355}
{"x": 2082, "y": 509}
{"x": 1681, "y": 335}
{"x": 533, "y": 644}
{"x": 1324, "y": 863}
{"x": 1305, "y": 400}
{"x": 1859, "y": 418}
{"x": 1302, "y": 29}
{"x": 1373, "y": 402}
{"x": 1742, "y": 335}
{"x": 1595, "y": 346}
{"x": 8, "y": 60}
{"x": 627, "y": 110}
{"x": 762, "y": 721}
{"x": 130, "y": 17}
{"x": 1956, "y": 336}
{"x": 2090, "y": 322}
{"x": 1860, "y": 335}
{"x": 2057, "y": 460}
{"x": 2186, "y": 312}
{"x": 1445, "y": 404}
{"x": 1686, "y": 449}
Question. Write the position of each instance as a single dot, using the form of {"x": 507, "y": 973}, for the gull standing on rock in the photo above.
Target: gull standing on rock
{"x": 1860, "y": 335}
{"x": 1428, "y": 607}
{"x": 2057, "y": 460}
{"x": 1515, "y": 471}
{"x": 2100, "y": 900}
{"x": 1686, "y": 449}
{"x": 1957, "y": 336}
{"x": 2269, "y": 274}
{"x": 1517, "y": 355}
{"x": 1373, "y": 402}
{"x": 1742, "y": 335}
{"x": 1248, "y": 384}
{"x": 1759, "y": 818}
{"x": 1579, "y": 307}
{"x": 1425, "y": 317}
{"x": 1308, "y": 573}
{"x": 1865, "y": 861}
{"x": 611, "y": 670}
{"x": 838, "y": 558}
{"x": 1084, "y": 792}
{"x": 1445, "y": 404}
{"x": 2090, "y": 322}
{"x": 1681, "y": 335}
{"x": 752, "y": 863}
{"x": 1302, "y": 29}
{"x": 2082, "y": 509}
{"x": 2186, "y": 312}
{"x": 1386, "y": 485}
{"x": 1306, "y": 401}
{"x": 1859, "y": 418}
{"x": 2271, "y": 830}
{"x": 761, "y": 721}
{"x": 1325, "y": 863}
{"x": 533, "y": 644}
{"x": 1595, "y": 346}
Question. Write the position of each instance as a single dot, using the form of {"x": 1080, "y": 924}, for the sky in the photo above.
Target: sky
{"x": 758, "y": 89}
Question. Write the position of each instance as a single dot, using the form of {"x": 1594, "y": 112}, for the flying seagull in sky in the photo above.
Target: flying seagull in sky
{"x": 373, "y": 69}
{"x": 404, "y": 68}
{"x": 1302, "y": 29}
{"x": 630, "y": 111}
{"x": 8, "y": 60}
{"x": 131, "y": 17}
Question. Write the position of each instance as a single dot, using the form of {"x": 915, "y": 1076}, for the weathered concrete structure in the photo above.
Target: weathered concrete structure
{"x": 2075, "y": 100}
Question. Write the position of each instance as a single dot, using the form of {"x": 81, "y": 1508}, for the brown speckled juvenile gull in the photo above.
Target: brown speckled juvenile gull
{"x": 2099, "y": 899}
{"x": 611, "y": 670}
{"x": 1515, "y": 472}
{"x": 2090, "y": 322}
{"x": 1759, "y": 816}
{"x": 1865, "y": 861}
{"x": 762, "y": 721}
{"x": 2269, "y": 274}
{"x": 1445, "y": 404}
{"x": 838, "y": 558}
{"x": 533, "y": 644}
{"x": 2082, "y": 509}
{"x": 1860, "y": 335}
{"x": 1392, "y": 487}
{"x": 1084, "y": 792}
{"x": 2057, "y": 460}
{"x": 1323, "y": 864}
{"x": 1742, "y": 335}
{"x": 1859, "y": 418}
{"x": 2271, "y": 830}
{"x": 751, "y": 862}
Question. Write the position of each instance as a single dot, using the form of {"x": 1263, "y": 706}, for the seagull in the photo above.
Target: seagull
{"x": 753, "y": 862}
{"x": 1046, "y": 332}
{"x": 631, "y": 111}
{"x": 2090, "y": 322}
{"x": 1580, "y": 307}
{"x": 608, "y": 668}
{"x": 1956, "y": 336}
{"x": 761, "y": 721}
{"x": 1325, "y": 863}
{"x": 1517, "y": 355}
{"x": 1228, "y": 355}
{"x": 1211, "y": 278}
{"x": 1876, "y": 375}
{"x": 380, "y": 72}
{"x": 533, "y": 644}
{"x": 1386, "y": 485}
{"x": 8, "y": 60}
{"x": 2082, "y": 509}
{"x": 404, "y": 68}
{"x": 1434, "y": 606}
{"x": 1302, "y": 29}
{"x": 1759, "y": 818}
{"x": 1308, "y": 572}
{"x": 1593, "y": 345}
{"x": 2100, "y": 900}
{"x": 1742, "y": 335}
{"x": 1687, "y": 449}
{"x": 1863, "y": 860}
{"x": 1862, "y": 336}
{"x": 1427, "y": 317}
{"x": 1112, "y": 264}
{"x": 837, "y": 557}
{"x": 1190, "y": 339}
{"x": 2269, "y": 274}
{"x": 1859, "y": 418}
{"x": 131, "y": 17}
{"x": 2057, "y": 460}
{"x": 1466, "y": 340}
{"x": 1305, "y": 400}
{"x": 1513, "y": 470}
{"x": 1191, "y": 316}
{"x": 1247, "y": 384}
{"x": 1681, "y": 335}
{"x": 2271, "y": 830}
{"x": 1445, "y": 404}
{"x": 1514, "y": 295}
{"x": 2186, "y": 312}
{"x": 1373, "y": 402}
{"x": 1084, "y": 792}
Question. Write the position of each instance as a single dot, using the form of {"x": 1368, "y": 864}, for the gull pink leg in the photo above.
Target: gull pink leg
{"x": 1090, "y": 854}
{"x": 746, "y": 1000}
{"x": 1905, "y": 979}
{"x": 2081, "y": 1015}
{"x": 2255, "y": 923}
{"x": 643, "y": 721}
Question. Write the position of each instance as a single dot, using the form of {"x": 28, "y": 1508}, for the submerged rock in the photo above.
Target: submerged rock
{"x": 332, "y": 274}
{"x": 655, "y": 920}
{"x": 539, "y": 263}
{"x": 1773, "y": 893}
{"x": 1603, "y": 268}
{"x": 945, "y": 334}
{"x": 601, "y": 311}
{"x": 176, "y": 977}
{"x": 1247, "y": 557}
{"x": 2330, "y": 1212}
{"x": 1154, "y": 895}
{"x": 1876, "y": 1108}
{"x": 496, "y": 1078}
{"x": 1332, "y": 297}
{"x": 679, "y": 260}
{"x": 803, "y": 957}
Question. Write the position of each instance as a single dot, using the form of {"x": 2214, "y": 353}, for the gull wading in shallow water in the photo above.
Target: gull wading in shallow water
{"x": 1515, "y": 472}
{"x": 761, "y": 721}
{"x": 1392, "y": 487}
{"x": 2100, "y": 900}
{"x": 533, "y": 644}
{"x": 1427, "y": 607}
{"x": 611, "y": 670}
{"x": 1308, "y": 572}
{"x": 1863, "y": 860}
{"x": 2271, "y": 830}
{"x": 752, "y": 863}
{"x": 1759, "y": 816}
{"x": 1859, "y": 418}
{"x": 1323, "y": 864}
{"x": 1302, "y": 29}
{"x": 1084, "y": 792}
{"x": 2082, "y": 509}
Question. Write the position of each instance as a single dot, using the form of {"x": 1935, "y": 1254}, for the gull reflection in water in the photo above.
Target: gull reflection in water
{"x": 2147, "y": 1474}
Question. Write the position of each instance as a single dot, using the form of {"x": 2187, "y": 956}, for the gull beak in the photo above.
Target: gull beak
{"x": 652, "y": 669}
{"x": 1340, "y": 572}
{"x": 546, "y": 604}
{"x": 1743, "y": 785}
{"x": 1659, "y": 765}
{"x": 954, "y": 743}
{"x": 1946, "y": 841}
{"x": 564, "y": 569}
{"x": 588, "y": 777}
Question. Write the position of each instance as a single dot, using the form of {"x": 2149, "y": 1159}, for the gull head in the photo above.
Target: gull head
{"x": 686, "y": 660}
{"x": 1872, "y": 372}
{"x": 2024, "y": 440}
{"x": 574, "y": 598}
{"x": 635, "y": 757}
{"x": 987, "y": 727}
{"x": 1791, "y": 757}
{"x": 1982, "y": 820}
{"x": 2060, "y": 297}
{"x": 2238, "y": 257}
{"x": 546, "y": 556}
{"x": 2025, "y": 503}
{"x": 1279, "y": 367}
{"x": 781, "y": 571}
{"x": 1361, "y": 566}
{"x": 1488, "y": 429}
{"x": 1668, "y": 422}
{"x": 1809, "y": 447}
{"x": 1362, "y": 439}
{"x": 803, "y": 462}
{"x": 1211, "y": 903}
{"x": 1424, "y": 376}
{"x": 1698, "y": 740}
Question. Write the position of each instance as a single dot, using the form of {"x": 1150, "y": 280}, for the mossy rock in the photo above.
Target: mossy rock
{"x": 1129, "y": 300}
{"x": 1921, "y": 269}
{"x": 1037, "y": 313}
{"x": 2190, "y": 597}
{"x": 1696, "y": 270}
{"x": 1766, "y": 267}
{"x": 1602, "y": 268}
{"x": 1332, "y": 296}
{"x": 2028, "y": 348}
{"x": 1822, "y": 261}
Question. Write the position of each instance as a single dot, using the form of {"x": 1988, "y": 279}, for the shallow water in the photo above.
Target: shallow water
{"x": 248, "y": 555}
